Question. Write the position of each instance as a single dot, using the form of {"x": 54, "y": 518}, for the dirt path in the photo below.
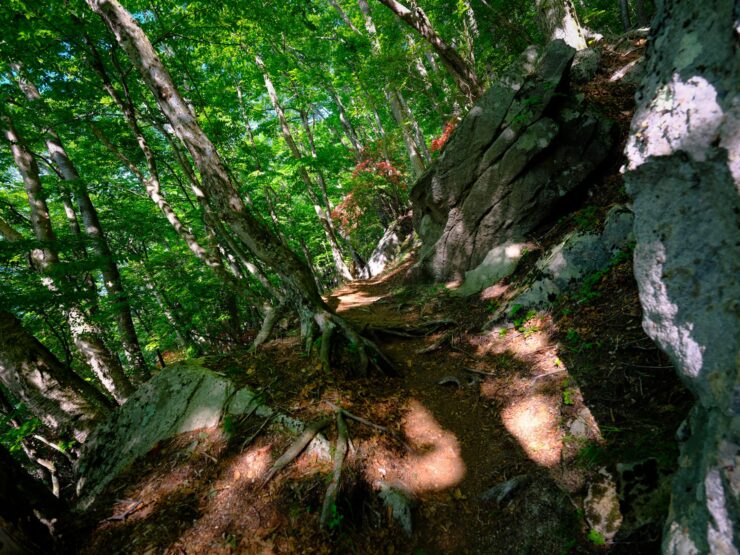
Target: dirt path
{"x": 454, "y": 417}
{"x": 519, "y": 416}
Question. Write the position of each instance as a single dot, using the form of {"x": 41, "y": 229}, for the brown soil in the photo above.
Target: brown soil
{"x": 478, "y": 409}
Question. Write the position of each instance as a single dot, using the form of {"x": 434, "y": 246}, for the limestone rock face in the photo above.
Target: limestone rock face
{"x": 519, "y": 150}
{"x": 390, "y": 246}
{"x": 179, "y": 399}
{"x": 574, "y": 258}
{"x": 683, "y": 174}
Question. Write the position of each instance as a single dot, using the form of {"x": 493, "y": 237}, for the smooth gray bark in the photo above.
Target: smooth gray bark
{"x": 64, "y": 402}
{"x": 558, "y": 20}
{"x": 93, "y": 228}
{"x": 88, "y": 338}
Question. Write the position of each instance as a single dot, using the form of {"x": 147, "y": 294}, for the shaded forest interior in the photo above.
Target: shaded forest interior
{"x": 368, "y": 276}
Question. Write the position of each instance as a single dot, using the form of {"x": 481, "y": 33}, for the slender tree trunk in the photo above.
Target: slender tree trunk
{"x": 643, "y": 19}
{"x": 424, "y": 75}
{"x": 624, "y": 13}
{"x": 343, "y": 15}
{"x": 87, "y": 336}
{"x": 392, "y": 96}
{"x": 64, "y": 402}
{"x": 417, "y": 160}
{"x": 461, "y": 71}
{"x": 419, "y": 141}
{"x": 558, "y": 20}
{"x": 347, "y": 126}
{"x": 341, "y": 266}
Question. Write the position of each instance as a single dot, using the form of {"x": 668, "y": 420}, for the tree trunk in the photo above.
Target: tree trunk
{"x": 558, "y": 20}
{"x": 217, "y": 182}
{"x": 624, "y": 13}
{"x": 343, "y": 15}
{"x": 643, "y": 18}
{"x": 347, "y": 126}
{"x": 93, "y": 228}
{"x": 461, "y": 71}
{"x": 64, "y": 402}
{"x": 341, "y": 266}
{"x": 21, "y": 499}
{"x": 87, "y": 336}
{"x": 392, "y": 96}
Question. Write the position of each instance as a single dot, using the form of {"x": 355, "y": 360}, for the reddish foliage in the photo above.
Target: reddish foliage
{"x": 440, "y": 141}
{"x": 371, "y": 179}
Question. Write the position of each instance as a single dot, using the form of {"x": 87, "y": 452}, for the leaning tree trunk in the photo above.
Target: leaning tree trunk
{"x": 684, "y": 175}
{"x": 64, "y": 402}
{"x": 558, "y": 20}
{"x": 93, "y": 228}
{"x": 86, "y": 335}
{"x": 221, "y": 191}
{"x": 461, "y": 71}
{"x": 23, "y": 503}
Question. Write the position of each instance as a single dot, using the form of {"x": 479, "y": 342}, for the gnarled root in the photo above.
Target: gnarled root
{"x": 340, "y": 451}
{"x": 365, "y": 352}
{"x": 296, "y": 448}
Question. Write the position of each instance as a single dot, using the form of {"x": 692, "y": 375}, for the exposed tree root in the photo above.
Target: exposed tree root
{"x": 251, "y": 438}
{"x": 446, "y": 338}
{"x": 296, "y": 448}
{"x": 340, "y": 452}
{"x": 365, "y": 352}
{"x": 366, "y": 422}
{"x": 272, "y": 316}
{"x": 411, "y": 331}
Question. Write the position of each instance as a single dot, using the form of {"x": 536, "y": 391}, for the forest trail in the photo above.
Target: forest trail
{"x": 465, "y": 432}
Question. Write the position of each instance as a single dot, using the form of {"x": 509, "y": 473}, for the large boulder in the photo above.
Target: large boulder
{"x": 683, "y": 174}
{"x": 520, "y": 149}
{"x": 181, "y": 398}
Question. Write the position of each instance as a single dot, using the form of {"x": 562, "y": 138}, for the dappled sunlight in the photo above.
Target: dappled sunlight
{"x": 354, "y": 299}
{"x": 535, "y": 422}
{"x": 435, "y": 464}
{"x": 542, "y": 405}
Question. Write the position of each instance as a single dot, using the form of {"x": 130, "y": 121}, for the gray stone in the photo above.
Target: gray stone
{"x": 400, "y": 502}
{"x": 498, "y": 263}
{"x": 390, "y": 247}
{"x": 574, "y": 258}
{"x": 181, "y": 398}
{"x": 585, "y": 65}
{"x": 601, "y": 506}
{"x": 504, "y": 492}
{"x": 683, "y": 174}
{"x": 512, "y": 157}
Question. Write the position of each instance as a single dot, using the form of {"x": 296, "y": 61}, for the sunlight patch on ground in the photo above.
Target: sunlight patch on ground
{"x": 535, "y": 422}
{"x": 354, "y": 300}
{"x": 436, "y": 463}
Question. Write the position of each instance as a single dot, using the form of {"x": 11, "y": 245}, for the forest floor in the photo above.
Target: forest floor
{"x": 474, "y": 406}
{"x": 476, "y": 410}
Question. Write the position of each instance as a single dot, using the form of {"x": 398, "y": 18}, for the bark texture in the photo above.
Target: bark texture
{"x": 85, "y": 333}
{"x": 461, "y": 71}
{"x": 558, "y": 20}
{"x": 684, "y": 175}
{"x": 216, "y": 180}
{"x": 94, "y": 229}
{"x": 64, "y": 402}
